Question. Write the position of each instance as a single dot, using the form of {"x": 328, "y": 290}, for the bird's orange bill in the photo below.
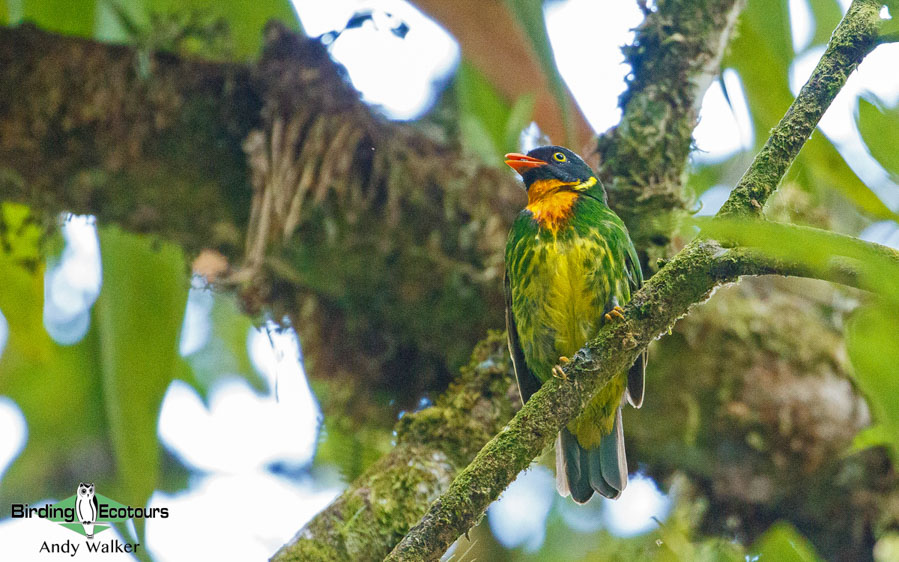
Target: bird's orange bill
{"x": 521, "y": 163}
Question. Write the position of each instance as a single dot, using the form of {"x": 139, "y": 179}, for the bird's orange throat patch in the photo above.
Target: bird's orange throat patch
{"x": 550, "y": 203}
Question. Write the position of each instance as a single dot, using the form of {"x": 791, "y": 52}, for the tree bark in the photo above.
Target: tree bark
{"x": 675, "y": 55}
{"x": 392, "y": 266}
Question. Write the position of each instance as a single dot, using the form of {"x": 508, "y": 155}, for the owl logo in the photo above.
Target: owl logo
{"x": 86, "y": 508}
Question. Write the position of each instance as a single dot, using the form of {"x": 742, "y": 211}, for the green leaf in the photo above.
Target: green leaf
{"x": 55, "y": 386}
{"x": 488, "y": 125}
{"x": 246, "y": 20}
{"x": 889, "y": 29}
{"x": 874, "y": 436}
{"x": 20, "y": 234}
{"x": 827, "y": 14}
{"x": 139, "y": 314}
{"x": 783, "y": 543}
{"x": 531, "y": 18}
{"x": 877, "y": 270}
{"x": 874, "y": 352}
{"x": 103, "y": 20}
{"x": 69, "y": 17}
{"x": 879, "y": 127}
{"x": 483, "y": 113}
{"x": 13, "y": 10}
{"x": 824, "y": 167}
{"x": 4, "y": 13}
{"x": 520, "y": 116}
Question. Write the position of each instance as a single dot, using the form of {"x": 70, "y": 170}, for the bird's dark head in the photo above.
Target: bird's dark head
{"x": 550, "y": 163}
{"x": 550, "y": 169}
{"x": 555, "y": 179}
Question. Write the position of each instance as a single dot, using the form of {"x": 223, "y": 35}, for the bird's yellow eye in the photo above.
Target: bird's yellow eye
{"x": 559, "y": 157}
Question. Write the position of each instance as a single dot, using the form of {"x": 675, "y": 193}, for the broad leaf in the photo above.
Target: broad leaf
{"x": 874, "y": 436}
{"x": 820, "y": 251}
{"x": 762, "y": 53}
{"x": 246, "y": 20}
{"x": 62, "y": 16}
{"x": 489, "y": 126}
{"x": 782, "y": 542}
{"x": 827, "y": 14}
{"x": 20, "y": 235}
{"x": 483, "y": 112}
{"x": 824, "y": 167}
{"x": 156, "y": 21}
{"x": 879, "y": 127}
{"x": 139, "y": 314}
{"x": 55, "y": 386}
{"x": 874, "y": 352}
{"x": 890, "y": 28}
{"x": 530, "y": 15}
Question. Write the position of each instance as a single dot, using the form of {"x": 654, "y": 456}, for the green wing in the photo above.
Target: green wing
{"x": 528, "y": 384}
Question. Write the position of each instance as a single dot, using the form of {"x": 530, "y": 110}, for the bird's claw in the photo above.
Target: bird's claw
{"x": 559, "y": 373}
{"x": 616, "y": 312}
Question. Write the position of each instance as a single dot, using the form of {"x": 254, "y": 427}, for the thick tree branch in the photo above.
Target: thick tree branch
{"x": 686, "y": 280}
{"x": 377, "y": 509}
{"x": 675, "y": 55}
{"x": 171, "y": 152}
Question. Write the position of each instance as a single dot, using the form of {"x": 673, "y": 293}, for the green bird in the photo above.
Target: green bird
{"x": 570, "y": 264}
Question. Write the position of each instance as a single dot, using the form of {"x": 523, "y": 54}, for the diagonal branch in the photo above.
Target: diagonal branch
{"x": 855, "y": 36}
{"x": 688, "y": 279}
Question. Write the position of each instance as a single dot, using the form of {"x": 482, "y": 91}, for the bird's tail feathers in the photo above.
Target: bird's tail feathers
{"x": 603, "y": 469}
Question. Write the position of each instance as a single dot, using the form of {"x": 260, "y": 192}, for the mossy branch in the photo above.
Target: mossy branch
{"x": 675, "y": 55}
{"x": 686, "y": 280}
{"x": 855, "y": 37}
{"x": 433, "y": 444}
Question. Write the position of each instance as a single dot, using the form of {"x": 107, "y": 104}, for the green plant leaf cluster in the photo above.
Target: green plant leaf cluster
{"x": 879, "y": 126}
{"x": 874, "y": 352}
{"x": 155, "y": 23}
{"x": 871, "y": 333}
{"x": 92, "y": 408}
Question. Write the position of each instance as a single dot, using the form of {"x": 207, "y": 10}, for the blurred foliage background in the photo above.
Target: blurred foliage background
{"x": 771, "y": 422}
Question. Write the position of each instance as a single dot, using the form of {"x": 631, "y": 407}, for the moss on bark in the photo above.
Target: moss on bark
{"x": 84, "y": 131}
{"x": 853, "y": 39}
{"x": 433, "y": 444}
{"x": 675, "y": 55}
